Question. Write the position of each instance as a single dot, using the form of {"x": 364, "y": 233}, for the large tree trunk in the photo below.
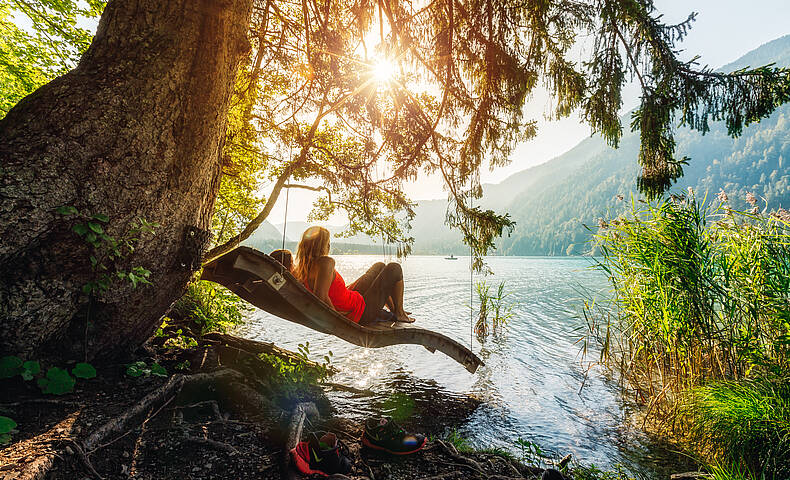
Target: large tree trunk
{"x": 134, "y": 131}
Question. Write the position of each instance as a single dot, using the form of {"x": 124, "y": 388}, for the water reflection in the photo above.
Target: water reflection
{"x": 530, "y": 384}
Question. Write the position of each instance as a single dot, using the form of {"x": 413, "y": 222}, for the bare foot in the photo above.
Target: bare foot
{"x": 405, "y": 318}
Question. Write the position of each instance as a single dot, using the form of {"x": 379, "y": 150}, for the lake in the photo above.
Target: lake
{"x": 531, "y": 383}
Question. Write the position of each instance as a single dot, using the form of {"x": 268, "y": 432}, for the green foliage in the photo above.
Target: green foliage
{"x": 7, "y": 427}
{"x": 700, "y": 294}
{"x": 50, "y": 47}
{"x": 107, "y": 251}
{"x": 701, "y": 305}
{"x": 31, "y": 368}
{"x": 84, "y": 370}
{"x": 494, "y": 305}
{"x": 745, "y": 425}
{"x": 57, "y": 382}
{"x": 211, "y": 307}
{"x": 10, "y": 366}
{"x": 461, "y": 443}
{"x": 182, "y": 366}
{"x": 142, "y": 369}
{"x": 294, "y": 377}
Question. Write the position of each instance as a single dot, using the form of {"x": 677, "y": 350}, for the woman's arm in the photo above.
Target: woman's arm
{"x": 323, "y": 279}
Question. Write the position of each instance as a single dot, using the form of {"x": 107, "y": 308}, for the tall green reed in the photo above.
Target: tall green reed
{"x": 700, "y": 293}
{"x": 494, "y": 305}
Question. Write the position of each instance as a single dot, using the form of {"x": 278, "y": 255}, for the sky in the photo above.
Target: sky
{"x": 724, "y": 31}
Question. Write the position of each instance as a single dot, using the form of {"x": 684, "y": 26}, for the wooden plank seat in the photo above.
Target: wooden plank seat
{"x": 262, "y": 281}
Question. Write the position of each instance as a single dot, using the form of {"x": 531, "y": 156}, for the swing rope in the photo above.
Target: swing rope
{"x": 471, "y": 278}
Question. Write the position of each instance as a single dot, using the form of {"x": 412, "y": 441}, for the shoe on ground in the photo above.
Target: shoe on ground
{"x": 321, "y": 456}
{"x": 384, "y": 434}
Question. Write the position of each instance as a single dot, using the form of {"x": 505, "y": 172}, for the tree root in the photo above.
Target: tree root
{"x": 255, "y": 347}
{"x": 453, "y": 453}
{"x": 298, "y": 416}
{"x": 229, "y": 449}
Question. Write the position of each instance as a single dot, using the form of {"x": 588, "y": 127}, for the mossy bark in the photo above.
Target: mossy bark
{"x": 135, "y": 131}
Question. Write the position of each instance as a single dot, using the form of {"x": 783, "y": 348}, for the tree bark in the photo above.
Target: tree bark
{"x": 135, "y": 131}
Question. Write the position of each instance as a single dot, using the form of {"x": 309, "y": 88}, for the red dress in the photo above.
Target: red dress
{"x": 345, "y": 300}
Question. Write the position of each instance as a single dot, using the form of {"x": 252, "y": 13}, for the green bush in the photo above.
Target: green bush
{"x": 701, "y": 293}
{"x": 211, "y": 307}
{"x": 698, "y": 324}
{"x": 746, "y": 424}
{"x": 292, "y": 379}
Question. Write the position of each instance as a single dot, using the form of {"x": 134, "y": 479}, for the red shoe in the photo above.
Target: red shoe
{"x": 324, "y": 456}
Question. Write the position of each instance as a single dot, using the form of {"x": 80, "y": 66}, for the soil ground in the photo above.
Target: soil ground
{"x": 208, "y": 433}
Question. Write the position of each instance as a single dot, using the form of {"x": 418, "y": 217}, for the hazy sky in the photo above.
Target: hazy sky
{"x": 724, "y": 31}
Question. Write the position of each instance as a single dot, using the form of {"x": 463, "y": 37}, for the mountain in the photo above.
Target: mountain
{"x": 552, "y": 202}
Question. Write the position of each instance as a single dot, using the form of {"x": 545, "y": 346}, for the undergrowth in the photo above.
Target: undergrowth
{"x": 699, "y": 325}
{"x": 210, "y": 308}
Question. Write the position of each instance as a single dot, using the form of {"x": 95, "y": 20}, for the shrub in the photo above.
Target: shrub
{"x": 699, "y": 294}
{"x": 746, "y": 424}
{"x": 211, "y": 307}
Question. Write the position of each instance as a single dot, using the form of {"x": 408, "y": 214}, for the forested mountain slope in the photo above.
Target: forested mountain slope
{"x": 552, "y": 202}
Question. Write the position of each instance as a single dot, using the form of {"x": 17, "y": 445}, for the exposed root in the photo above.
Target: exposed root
{"x": 255, "y": 347}
{"x": 224, "y": 447}
{"x": 298, "y": 416}
{"x": 453, "y": 453}
{"x": 120, "y": 423}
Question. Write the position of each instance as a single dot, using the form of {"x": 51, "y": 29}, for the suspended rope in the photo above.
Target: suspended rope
{"x": 287, "y": 188}
{"x": 471, "y": 276}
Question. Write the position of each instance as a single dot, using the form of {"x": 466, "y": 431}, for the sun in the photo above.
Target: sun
{"x": 383, "y": 70}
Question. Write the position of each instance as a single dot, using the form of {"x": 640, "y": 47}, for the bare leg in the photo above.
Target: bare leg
{"x": 391, "y": 306}
{"x": 397, "y": 300}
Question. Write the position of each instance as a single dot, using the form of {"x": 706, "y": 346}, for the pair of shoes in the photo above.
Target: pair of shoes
{"x": 322, "y": 456}
{"x": 385, "y": 434}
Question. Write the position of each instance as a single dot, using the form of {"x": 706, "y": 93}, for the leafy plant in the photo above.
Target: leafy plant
{"x": 747, "y": 423}
{"x": 107, "y": 250}
{"x": 211, "y": 307}
{"x": 30, "y": 369}
{"x": 84, "y": 370}
{"x": 7, "y": 427}
{"x": 10, "y": 366}
{"x": 293, "y": 377}
{"x": 495, "y": 306}
{"x": 142, "y": 369}
{"x": 182, "y": 366}
{"x": 461, "y": 443}
{"x": 701, "y": 308}
{"x": 57, "y": 381}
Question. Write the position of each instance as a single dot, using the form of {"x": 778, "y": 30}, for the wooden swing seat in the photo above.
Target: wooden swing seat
{"x": 262, "y": 281}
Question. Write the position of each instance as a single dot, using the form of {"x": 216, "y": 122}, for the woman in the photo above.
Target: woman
{"x": 362, "y": 300}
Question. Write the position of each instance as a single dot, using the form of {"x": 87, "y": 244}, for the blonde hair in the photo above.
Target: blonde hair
{"x": 314, "y": 245}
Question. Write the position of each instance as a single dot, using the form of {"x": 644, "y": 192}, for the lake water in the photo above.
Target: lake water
{"x": 532, "y": 378}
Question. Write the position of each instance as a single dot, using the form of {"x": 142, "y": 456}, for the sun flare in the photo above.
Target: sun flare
{"x": 383, "y": 70}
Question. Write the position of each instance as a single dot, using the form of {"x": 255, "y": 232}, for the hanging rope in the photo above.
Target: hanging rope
{"x": 471, "y": 278}
{"x": 285, "y": 219}
{"x": 288, "y": 189}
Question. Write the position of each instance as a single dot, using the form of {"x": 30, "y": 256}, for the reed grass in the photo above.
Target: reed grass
{"x": 494, "y": 307}
{"x": 748, "y": 423}
{"x": 700, "y": 308}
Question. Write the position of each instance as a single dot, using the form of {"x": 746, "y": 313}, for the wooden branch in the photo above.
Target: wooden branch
{"x": 236, "y": 240}
{"x": 254, "y": 347}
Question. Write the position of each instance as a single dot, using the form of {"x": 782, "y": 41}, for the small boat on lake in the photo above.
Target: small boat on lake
{"x": 451, "y": 257}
